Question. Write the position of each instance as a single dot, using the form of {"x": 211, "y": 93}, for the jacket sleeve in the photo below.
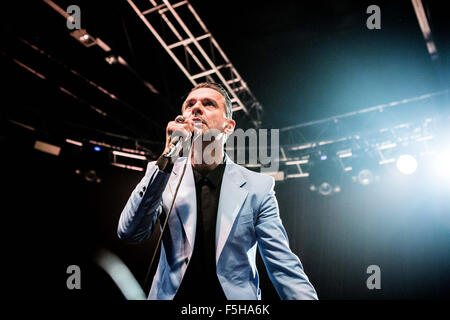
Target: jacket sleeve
{"x": 144, "y": 206}
{"x": 284, "y": 267}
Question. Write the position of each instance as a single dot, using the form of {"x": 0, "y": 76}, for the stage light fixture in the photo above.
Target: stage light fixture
{"x": 47, "y": 147}
{"x": 365, "y": 177}
{"x": 74, "y": 142}
{"x": 111, "y": 59}
{"x": 83, "y": 37}
{"x": 325, "y": 174}
{"x": 97, "y": 148}
{"x": 406, "y": 164}
{"x": 325, "y": 188}
{"x": 89, "y": 175}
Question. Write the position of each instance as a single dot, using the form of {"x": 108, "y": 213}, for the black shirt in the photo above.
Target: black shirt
{"x": 200, "y": 281}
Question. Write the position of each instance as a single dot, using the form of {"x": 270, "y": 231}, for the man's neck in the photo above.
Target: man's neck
{"x": 202, "y": 167}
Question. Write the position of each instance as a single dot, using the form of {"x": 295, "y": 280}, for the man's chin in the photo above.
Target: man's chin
{"x": 208, "y": 134}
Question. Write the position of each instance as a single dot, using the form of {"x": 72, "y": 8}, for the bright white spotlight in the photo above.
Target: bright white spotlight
{"x": 406, "y": 164}
{"x": 443, "y": 164}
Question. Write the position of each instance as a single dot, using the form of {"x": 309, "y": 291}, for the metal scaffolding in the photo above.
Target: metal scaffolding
{"x": 335, "y": 135}
{"x": 195, "y": 51}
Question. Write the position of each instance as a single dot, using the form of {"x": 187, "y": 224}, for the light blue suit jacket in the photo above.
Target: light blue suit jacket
{"x": 247, "y": 218}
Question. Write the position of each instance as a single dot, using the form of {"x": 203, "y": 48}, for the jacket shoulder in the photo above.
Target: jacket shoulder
{"x": 257, "y": 179}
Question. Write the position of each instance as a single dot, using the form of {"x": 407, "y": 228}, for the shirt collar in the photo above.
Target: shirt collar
{"x": 214, "y": 177}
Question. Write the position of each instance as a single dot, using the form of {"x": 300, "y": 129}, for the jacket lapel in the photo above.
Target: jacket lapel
{"x": 232, "y": 196}
{"x": 186, "y": 202}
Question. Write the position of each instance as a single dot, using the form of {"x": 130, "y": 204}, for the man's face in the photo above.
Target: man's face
{"x": 208, "y": 106}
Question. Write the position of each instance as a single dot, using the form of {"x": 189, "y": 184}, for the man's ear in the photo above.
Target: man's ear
{"x": 229, "y": 126}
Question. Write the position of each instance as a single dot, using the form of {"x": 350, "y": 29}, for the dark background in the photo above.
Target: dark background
{"x": 303, "y": 61}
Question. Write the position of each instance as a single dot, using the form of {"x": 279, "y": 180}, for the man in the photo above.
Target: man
{"x": 221, "y": 214}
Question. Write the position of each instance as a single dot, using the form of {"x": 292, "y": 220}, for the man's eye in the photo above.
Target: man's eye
{"x": 209, "y": 103}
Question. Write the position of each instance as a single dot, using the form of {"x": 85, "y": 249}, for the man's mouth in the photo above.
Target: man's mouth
{"x": 198, "y": 119}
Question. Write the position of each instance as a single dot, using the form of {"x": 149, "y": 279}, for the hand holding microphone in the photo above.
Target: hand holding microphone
{"x": 177, "y": 131}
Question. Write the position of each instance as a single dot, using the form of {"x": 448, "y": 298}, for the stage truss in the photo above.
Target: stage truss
{"x": 196, "y": 52}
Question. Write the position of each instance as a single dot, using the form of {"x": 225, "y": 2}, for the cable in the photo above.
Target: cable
{"x": 167, "y": 217}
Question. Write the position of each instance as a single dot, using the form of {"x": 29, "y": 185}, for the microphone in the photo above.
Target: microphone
{"x": 175, "y": 142}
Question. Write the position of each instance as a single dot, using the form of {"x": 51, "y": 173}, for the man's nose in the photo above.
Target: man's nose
{"x": 197, "y": 108}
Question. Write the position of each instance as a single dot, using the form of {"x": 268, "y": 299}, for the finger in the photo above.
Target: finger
{"x": 171, "y": 127}
{"x": 179, "y": 119}
{"x": 188, "y": 125}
